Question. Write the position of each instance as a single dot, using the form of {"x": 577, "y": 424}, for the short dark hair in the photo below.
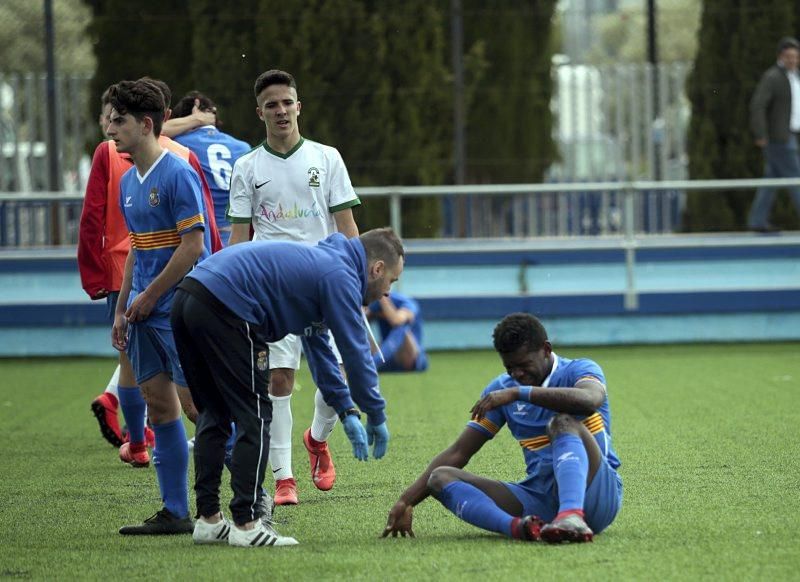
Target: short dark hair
{"x": 273, "y": 77}
{"x": 517, "y": 330}
{"x": 163, "y": 87}
{"x": 788, "y": 42}
{"x": 105, "y": 98}
{"x": 382, "y": 244}
{"x": 141, "y": 99}
{"x": 183, "y": 108}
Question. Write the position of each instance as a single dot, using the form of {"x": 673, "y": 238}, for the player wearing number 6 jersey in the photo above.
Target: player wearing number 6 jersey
{"x": 217, "y": 152}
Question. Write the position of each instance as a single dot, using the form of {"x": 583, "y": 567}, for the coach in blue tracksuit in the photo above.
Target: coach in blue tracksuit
{"x": 228, "y": 308}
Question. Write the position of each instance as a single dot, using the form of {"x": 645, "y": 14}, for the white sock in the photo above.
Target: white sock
{"x": 325, "y": 419}
{"x": 280, "y": 437}
{"x": 113, "y": 384}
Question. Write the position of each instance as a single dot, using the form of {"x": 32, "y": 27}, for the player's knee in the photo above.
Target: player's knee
{"x": 439, "y": 478}
{"x": 562, "y": 423}
{"x": 281, "y": 382}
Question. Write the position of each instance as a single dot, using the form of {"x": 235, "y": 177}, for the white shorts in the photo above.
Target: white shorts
{"x": 285, "y": 353}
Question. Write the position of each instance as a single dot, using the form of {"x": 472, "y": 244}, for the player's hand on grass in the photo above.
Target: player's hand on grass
{"x": 119, "y": 333}
{"x": 357, "y": 435}
{"x": 379, "y": 435}
{"x": 399, "y": 522}
{"x": 494, "y": 400}
{"x": 141, "y": 307}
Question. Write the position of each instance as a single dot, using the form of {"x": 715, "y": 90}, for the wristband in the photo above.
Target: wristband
{"x": 349, "y": 412}
{"x": 525, "y": 393}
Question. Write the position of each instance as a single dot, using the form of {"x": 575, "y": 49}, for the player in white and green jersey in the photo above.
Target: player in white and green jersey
{"x": 292, "y": 189}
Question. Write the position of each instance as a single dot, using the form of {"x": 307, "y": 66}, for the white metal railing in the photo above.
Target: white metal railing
{"x": 64, "y": 208}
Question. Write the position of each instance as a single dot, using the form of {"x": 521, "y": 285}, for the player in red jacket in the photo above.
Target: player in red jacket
{"x": 103, "y": 246}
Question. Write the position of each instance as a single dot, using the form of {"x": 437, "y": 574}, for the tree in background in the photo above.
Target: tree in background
{"x": 22, "y": 37}
{"x": 621, "y": 34}
{"x": 509, "y": 120}
{"x": 226, "y": 59}
{"x": 737, "y": 43}
{"x": 374, "y": 77}
{"x": 134, "y": 39}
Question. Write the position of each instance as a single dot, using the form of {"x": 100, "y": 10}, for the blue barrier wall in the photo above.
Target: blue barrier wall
{"x": 690, "y": 293}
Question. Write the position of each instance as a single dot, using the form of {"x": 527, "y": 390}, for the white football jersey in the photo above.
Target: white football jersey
{"x": 291, "y": 196}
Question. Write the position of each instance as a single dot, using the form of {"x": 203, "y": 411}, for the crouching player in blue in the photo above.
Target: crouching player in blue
{"x": 228, "y": 309}
{"x": 557, "y": 409}
{"x": 161, "y": 201}
{"x": 400, "y": 323}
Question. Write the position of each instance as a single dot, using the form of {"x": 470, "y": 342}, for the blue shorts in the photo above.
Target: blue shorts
{"x": 602, "y": 502}
{"x": 111, "y": 305}
{"x": 151, "y": 352}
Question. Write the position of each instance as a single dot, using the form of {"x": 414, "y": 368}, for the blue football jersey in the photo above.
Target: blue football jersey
{"x": 158, "y": 208}
{"x": 528, "y": 422}
{"x": 400, "y": 302}
{"x": 217, "y": 152}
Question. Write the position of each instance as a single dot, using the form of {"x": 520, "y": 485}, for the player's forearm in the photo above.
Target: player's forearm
{"x": 418, "y": 491}
{"x": 569, "y": 400}
{"x": 181, "y": 262}
{"x": 345, "y": 223}
{"x": 240, "y": 232}
{"x": 179, "y": 125}
{"x": 127, "y": 281}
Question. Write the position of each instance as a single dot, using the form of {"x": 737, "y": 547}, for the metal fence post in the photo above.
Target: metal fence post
{"x": 629, "y": 244}
{"x": 395, "y": 218}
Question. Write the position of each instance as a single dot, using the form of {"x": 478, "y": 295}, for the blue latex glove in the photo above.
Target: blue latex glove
{"x": 379, "y": 435}
{"x": 357, "y": 435}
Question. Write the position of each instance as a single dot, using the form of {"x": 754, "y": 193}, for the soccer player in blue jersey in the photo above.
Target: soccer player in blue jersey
{"x": 557, "y": 409}
{"x": 225, "y": 313}
{"x": 162, "y": 204}
{"x": 400, "y": 323}
{"x": 217, "y": 152}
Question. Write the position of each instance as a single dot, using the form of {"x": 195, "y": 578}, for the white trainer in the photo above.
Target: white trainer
{"x": 211, "y": 533}
{"x": 261, "y": 535}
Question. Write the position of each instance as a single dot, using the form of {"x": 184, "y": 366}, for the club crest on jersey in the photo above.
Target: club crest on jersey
{"x": 313, "y": 177}
{"x": 263, "y": 361}
{"x": 154, "y": 199}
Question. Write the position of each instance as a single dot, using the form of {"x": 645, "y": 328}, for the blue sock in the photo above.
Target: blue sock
{"x": 134, "y": 410}
{"x": 391, "y": 343}
{"x": 571, "y": 467}
{"x": 472, "y": 505}
{"x": 172, "y": 466}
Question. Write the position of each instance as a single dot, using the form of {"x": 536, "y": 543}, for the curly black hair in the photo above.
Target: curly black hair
{"x": 517, "y": 330}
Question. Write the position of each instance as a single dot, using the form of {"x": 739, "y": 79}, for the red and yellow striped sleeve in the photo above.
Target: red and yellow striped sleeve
{"x": 189, "y": 223}
{"x": 160, "y": 239}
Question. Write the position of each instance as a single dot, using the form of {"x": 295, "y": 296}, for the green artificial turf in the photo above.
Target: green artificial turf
{"x": 708, "y": 438}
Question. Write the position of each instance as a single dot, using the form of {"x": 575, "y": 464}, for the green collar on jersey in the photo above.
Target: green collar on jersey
{"x": 287, "y": 154}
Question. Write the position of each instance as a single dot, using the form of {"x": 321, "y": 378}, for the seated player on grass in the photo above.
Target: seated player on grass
{"x": 558, "y": 411}
{"x": 400, "y": 323}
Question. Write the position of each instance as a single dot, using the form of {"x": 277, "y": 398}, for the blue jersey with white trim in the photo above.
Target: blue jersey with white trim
{"x": 528, "y": 422}
{"x": 400, "y": 301}
{"x": 217, "y": 152}
{"x": 160, "y": 207}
